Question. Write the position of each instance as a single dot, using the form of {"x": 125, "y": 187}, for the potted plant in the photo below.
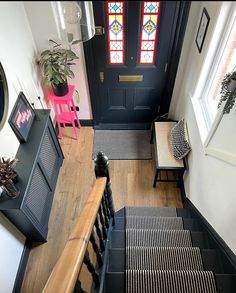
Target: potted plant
{"x": 8, "y": 177}
{"x": 228, "y": 92}
{"x": 56, "y": 63}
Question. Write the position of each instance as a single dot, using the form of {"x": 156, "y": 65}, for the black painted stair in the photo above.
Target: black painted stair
{"x": 153, "y": 251}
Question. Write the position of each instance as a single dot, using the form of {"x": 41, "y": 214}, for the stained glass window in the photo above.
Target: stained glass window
{"x": 149, "y": 28}
{"x": 115, "y": 15}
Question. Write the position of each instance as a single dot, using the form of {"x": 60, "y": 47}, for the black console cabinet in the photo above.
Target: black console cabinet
{"x": 40, "y": 159}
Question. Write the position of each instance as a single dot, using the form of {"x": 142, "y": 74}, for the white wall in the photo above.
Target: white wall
{"x": 17, "y": 55}
{"x": 209, "y": 182}
{"x": 43, "y": 31}
{"x": 11, "y": 246}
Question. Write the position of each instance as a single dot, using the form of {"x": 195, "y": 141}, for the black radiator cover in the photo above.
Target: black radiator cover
{"x": 40, "y": 159}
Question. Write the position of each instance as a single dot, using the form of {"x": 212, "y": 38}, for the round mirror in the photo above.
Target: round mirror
{"x": 3, "y": 97}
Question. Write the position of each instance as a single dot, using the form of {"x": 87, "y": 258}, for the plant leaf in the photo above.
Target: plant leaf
{"x": 44, "y": 53}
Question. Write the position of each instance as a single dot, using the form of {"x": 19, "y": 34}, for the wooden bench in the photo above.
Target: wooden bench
{"x": 164, "y": 158}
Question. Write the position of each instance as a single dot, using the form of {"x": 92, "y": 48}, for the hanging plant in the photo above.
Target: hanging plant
{"x": 228, "y": 92}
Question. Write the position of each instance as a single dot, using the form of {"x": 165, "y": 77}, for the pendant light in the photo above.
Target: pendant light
{"x": 76, "y": 18}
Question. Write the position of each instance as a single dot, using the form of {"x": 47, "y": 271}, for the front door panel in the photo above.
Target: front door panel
{"x": 130, "y": 93}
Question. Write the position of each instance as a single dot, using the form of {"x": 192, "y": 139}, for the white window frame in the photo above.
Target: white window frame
{"x": 207, "y": 126}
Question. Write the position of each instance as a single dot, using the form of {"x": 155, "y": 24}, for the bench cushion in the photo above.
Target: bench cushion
{"x": 178, "y": 140}
{"x": 165, "y": 158}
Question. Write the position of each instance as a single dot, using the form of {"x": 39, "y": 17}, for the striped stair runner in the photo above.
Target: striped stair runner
{"x": 148, "y": 237}
{"x": 170, "y": 281}
{"x": 164, "y": 258}
{"x": 159, "y": 223}
{"x": 159, "y": 254}
{"x": 155, "y": 212}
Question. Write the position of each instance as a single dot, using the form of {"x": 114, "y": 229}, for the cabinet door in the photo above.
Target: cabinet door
{"x": 49, "y": 157}
{"x": 37, "y": 202}
{"x": 42, "y": 185}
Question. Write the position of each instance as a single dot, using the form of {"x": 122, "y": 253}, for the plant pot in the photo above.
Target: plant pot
{"x": 9, "y": 194}
{"x": 60, "y": 89}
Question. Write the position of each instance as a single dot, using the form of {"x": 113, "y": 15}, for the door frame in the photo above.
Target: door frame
{"x": 177, "y": 38}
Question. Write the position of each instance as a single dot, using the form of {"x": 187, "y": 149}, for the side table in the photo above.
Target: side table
{"x": 63, "y": 115}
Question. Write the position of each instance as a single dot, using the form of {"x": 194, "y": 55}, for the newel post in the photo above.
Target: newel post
{"x": 102, "y": 170}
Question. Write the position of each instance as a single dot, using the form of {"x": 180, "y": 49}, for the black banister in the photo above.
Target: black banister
{"x": 101, "y": 224}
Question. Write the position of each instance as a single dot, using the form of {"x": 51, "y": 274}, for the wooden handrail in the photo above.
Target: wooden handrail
{"x": 65, "y": 273}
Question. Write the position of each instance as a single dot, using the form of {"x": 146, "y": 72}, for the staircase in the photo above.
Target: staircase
{"x": 162, "y": 250}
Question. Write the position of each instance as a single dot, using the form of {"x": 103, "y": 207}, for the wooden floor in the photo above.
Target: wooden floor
{"x": 131, "y": 183}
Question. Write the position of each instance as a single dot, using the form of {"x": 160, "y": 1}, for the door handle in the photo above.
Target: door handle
{"x": 101, "y": 75}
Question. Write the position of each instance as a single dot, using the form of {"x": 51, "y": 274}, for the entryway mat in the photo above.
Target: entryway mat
{"x": 123, "y": 144}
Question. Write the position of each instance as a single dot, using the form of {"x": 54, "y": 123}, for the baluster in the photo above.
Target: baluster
{"x": 107, "y": 205}
{"x": 110, "y": 201}
{"x": 78, "y": 288}
{"x": 99, "y": 233}
{"x": 91, "y": 269}
{"x": 102, "y": 170}
{"x": 104, "y": 232}
{"x": 96, "y": 249}
{"x": 104, "y": 209}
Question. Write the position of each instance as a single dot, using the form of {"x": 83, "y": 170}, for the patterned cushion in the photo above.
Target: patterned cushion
{"x": 179, "y": 141}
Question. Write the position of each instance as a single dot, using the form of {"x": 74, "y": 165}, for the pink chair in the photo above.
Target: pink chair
{"x": 65, "y": 110}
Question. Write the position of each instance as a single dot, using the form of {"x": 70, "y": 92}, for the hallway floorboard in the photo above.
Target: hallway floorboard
{"x": 131, "y": 183}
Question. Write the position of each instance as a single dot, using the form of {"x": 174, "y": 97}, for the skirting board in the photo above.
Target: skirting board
{"x": 227, "y": 256}
{"x": 86, "y": 122}
{"x": 83, "y": 122}
{"x": 22, "y": 267}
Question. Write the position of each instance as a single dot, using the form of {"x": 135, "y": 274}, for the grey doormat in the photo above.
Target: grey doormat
{"x": 123, "y": 144}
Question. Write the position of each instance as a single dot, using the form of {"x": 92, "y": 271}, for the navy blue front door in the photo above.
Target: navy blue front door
{"x": 129, "y": 94}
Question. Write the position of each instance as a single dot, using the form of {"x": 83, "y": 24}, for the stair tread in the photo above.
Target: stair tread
{"x": 170, "y": 281}
{"x": 151, "y": 211}
{"x": 225, "y": 283}
{"x": 120, "y": 213}
{"x": 146, "y": 237}
{"x": 151, "y": 222}
{"x": 115, "y": 283}
{"x": 209, "y": 259}
{"x": 116, "y": 260}
{"x": 188, "y": 223}
{"x": 191, "y": 224}
{"x": 164, "y": 258}
{"x": 199, "y": 239}
{"x": 183, "y": 212}
{"x": 119, "y": 223}
{"x": 117, "y": 239}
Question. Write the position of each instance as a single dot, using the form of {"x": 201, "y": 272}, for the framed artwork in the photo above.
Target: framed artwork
{"x": 21, "y": 118}
{"x": 202, "y": 29}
